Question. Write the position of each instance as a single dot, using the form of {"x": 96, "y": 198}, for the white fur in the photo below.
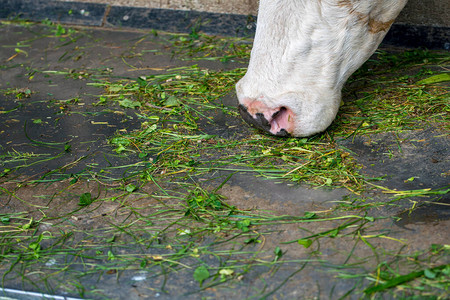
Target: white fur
{"x": 305, "y": 50}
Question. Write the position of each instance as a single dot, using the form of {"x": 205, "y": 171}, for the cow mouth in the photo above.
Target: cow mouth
{"x": 275, "y": 121}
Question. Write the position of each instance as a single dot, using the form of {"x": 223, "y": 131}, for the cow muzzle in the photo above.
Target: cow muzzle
{"x": 277, "y": 122}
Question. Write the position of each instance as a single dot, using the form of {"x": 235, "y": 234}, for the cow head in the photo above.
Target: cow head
{"x": 303, "y": 52}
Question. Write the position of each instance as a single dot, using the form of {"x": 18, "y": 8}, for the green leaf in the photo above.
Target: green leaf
{"x": 334, "y": 233}
{"x": 130, "y": 188}
{"x": 303, "y": 141}
{"x": 436, "y": 248}
{"x": 111, "y": 255}
{"x": 243, "y": 225}
{"x": 394, "y": 282}
{"x": 101, "y": 101}
{"x": 127, "y": 103}
{"x": 429, "y": 274}
{"x": 36, "y": 246}
{"x": 120, "y": 149}
{"x": 85, "y": 199}
{"x": 226, "y": 272}
{"x": 402, "y": 279}
{"x": 410, "y": 179}
{"x": 435, "y": 79}
{"x": 115, "y": 88}
{"x": 120, "y": 141}
{"x": 278, "y": 253}
{"x": 21, "y": 51}
{"x": 446, "y": 270}
{"x": 171, "y": 101}
{"x": 111, "y": 239}
{"x": 201, "y": 274}
{"x": 142, "y": 81}
{"x": 148, "y": 130}
{"x": 5, "y": 171}
{"x": 309, "y": 215}
{"x": 143, "y": 263}
{"x": 305, "y": 243}
{"x": 28, "y": 225}
{"x": 142, "y": 155}
{"x": 252, "y": 240}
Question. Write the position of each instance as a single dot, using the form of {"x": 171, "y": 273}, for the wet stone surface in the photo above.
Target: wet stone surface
{"x": 82, "y": 218}
{"x": 408, "y": 161}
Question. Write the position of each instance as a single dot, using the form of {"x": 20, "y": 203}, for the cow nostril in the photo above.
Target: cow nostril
{"x": 275, "y": 114}
{"x": 259, "y": 121}
{"x": 278, "y": 112}
{"x": 283, "y": 133}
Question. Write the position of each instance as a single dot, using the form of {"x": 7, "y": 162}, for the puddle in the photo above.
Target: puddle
{"x": 427, "y": 214}
{"x": 42, "y": 139}
{"x": 410, "y": 160}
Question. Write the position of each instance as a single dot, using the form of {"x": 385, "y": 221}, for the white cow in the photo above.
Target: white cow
{"x": 303, "y": 52}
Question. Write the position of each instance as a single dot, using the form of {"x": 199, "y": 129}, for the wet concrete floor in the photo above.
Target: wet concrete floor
{"x": 47, "y": 111}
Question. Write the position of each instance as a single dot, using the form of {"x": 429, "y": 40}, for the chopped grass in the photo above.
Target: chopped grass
{"x": 167, "y": 215}
{"x": 198, "y": 46}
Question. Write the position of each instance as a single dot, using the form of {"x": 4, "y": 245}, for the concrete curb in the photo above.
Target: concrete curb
{"x": 180, "y": 21}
